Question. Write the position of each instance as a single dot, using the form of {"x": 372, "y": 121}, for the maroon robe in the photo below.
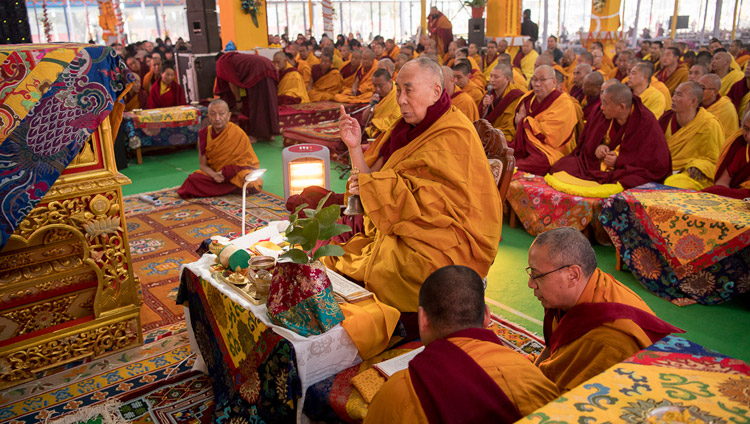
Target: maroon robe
{"x": 528, "y": 157}
{"x": 518, "y": 58}
{"x": 643, "y": 157}
{"x": 735, "y": 162}
{"x": 576, "y": 92}
{"x": 347, "y": 70}
{"x": 592, "y": 106}
{"x": 738, "y": 91}
{"x": 499, "y": 104}
{"x": 258, "y": 76}
{"x": 173, "y": 97}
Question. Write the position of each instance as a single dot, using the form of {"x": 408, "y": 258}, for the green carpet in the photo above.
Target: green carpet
{"x": 719, "y": 327}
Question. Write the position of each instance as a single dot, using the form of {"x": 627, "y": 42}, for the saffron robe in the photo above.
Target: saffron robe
{"x": 654, "y": 101}
{"x": 137, "y": 100}
{"x": 259, "y": 77}
{"x": 465, "y": 104}
{"x": 420, "y": 214}
{"x": 725, "y": 112}
{"x": 166, "y": 96}
{"x": 546, "y": 134}
{"x": 478, "y": 77}
{"x": 325, "y": 86}
{"x": 572, "y": 363}
{"x": 292, "y": 88}
{"x": 364, "y": 90}
{"x": 696, "y": 145}
{"x": 311, "y": 60}
{"x": 474, "y": 91}
{"x": 348, "y": 74}
{"x": 384, "y": 114}
{"x": 740, "y": 96}
{"x": 643, "y": 154}
{"x": 488, "y": 64}
{"x": 742, "y": 58}
{"x": 526, "y": 62}
{"x": 674, "y": 79}
{"x": 337, "y": 62}
{"x": 394, "y": 53}
{"x": 149, "y": 80}
{"x": 615, "y": 74}
{"x": 663, "y": 90}
{"x": 230, "y": 153}
{"x": 441, "y": 30}
{"x": 735, "y": 160}
{"x": 503, "y": 111}
{"x": 521, "y": 382}
{"x": 729, "y": 80}
{"x": 520, "y": 79}
{"x": 579, "y": 116}
{"x": 305, "y": 69}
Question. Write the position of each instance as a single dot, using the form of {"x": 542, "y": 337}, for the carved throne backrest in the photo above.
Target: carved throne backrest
{"x": 500, "y": 156}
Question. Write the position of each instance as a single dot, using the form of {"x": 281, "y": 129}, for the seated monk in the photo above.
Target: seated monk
{"x": 458, "y": 97}
{"x": 592, "y": 88}
{"x": 525, "y": 59}
{"x": 420, "y": 214}
{"x": 639, "y": 81}
{"x": 350, "y": 68}
{"x": 519, "y": 79}
{"x": 697, "y": 71}
{"x": 742, "y": 56}
{"x": 695, "y": 139}
{"x": 450, "y": 56}
{"x": 489, "y": 61}
{"x": 386, "y": 111}
{"x": 591, "y": 320}
{"x": 479, "y": 380}
{"x": 361, "y": 89}
{"x": 499, "y": 105}
{"x": 291, "y": 90}
{"x": 154, "y": 74}
{"x": 462, "y": 78}
{"x": 137, "y": 98}
{"x": 732, "y": 177}
{"x": 621, "y": 144}
{"x": 623, "y": 65}
{"x": 569, "y": 62}
{"x": 327, "y": 81}
{"x": 672, "y": 73}
{"x": 388, "y": 65}
{"x": 392, "y": 49}
{"x": 740, "y": 93}
{"x": 720, "y": 106}
{"x": 225, "y": 155}
{"x": 463, "y": 54}
{"x": 545, "y": 122}
{"x": 721, "y": 65}
{"x": 166, "y": 92}
{"x": 579, "y": 73}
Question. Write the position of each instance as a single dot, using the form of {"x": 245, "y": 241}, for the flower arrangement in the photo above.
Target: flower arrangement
{"x": 253, "y": 8}
{"x": 320, "y": 224}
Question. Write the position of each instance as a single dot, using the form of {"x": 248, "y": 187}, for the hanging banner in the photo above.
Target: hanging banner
{"x": 327, "y": 17}
{"x": 108, "y": 21}
{"x": 605, "y": 16}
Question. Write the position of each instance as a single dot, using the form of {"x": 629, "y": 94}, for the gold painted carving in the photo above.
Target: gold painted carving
{"x": 88, "y": 185}
{"x": 49, "y": 313}
{"x": 42, "y": 253}
{"x": 20, "y": 365}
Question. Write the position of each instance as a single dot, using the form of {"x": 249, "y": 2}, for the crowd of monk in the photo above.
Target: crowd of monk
{"x": 433, "y": 215}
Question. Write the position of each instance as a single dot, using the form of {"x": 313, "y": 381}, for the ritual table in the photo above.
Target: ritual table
{"x": 672, "y": 372}
{"x": 311, "y": 113}
{"x": 162, "y": 127}
{"x": 259, "y": 370}
{"x": 540, "y": 207}
{"x": 683, "y": 246}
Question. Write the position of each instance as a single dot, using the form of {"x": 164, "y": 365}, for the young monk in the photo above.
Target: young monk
{"x": 167, "y": 92}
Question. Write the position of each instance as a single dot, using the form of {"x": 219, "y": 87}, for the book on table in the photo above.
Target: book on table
{"x": 394, "y": 365}
{"x": 348, "y": 290}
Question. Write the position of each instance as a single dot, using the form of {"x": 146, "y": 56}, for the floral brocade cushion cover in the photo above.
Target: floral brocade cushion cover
{"x": 301, "y": 299}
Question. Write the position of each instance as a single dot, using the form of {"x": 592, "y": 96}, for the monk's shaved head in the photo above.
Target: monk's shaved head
{"x": 693, "y": 89}
{"x": 420, "y": 85}
{"x": 712, "y": 81}
{"x": 218, "y": 102}
{"x": 619, "y": 93}
{"x": 452, "y": 298}
{"x": 429, "y": 67}
{"x": 595, "y": 78}
{"x": 387, "y": 64}
{"x": 544, "y": 59}
{"x": 218, "y": 114}
{"x": 505, "y": 70}
{"x": 447, "y": 73}
{"x": 609, "y": 82}
{"x": 368, "y": 55}
{"x": 645, "y": 69}
{"x": 567, "y": 245}
{"x": 503, "y": 58}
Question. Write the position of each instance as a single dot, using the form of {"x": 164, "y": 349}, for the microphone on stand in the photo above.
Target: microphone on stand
{"x": 489, "y": 93}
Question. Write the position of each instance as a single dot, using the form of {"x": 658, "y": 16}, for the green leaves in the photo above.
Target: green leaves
{"x": 295, "y": 255}
{"x": 328, "y": 250}
{"x": 320, "y": 224}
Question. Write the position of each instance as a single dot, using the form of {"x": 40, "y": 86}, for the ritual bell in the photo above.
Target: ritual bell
{"x": 354, "y": 203}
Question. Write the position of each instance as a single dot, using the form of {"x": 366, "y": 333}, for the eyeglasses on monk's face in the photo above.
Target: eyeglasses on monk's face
{"x": 536, "y": 277}
{"x": 535, "y": 80}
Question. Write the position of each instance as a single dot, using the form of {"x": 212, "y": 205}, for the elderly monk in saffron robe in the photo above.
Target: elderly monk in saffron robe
{"x": 719, "y": 106}
{"x": 721, "y": 65}
{"x": 591, "y": 320}
{"x": 247, "y": 82}
{"x": 459, "y": 98}
{"x": 327, "y": 81}
{"x": 545, "y": 125}
{"x": 695, "y": 139}
{"x": 136, "y": 97}
{"x": 525, "y": 59}
{"x": 421, "y": 212}
{"x": 639, "y": 81}
{"x": 291, "y": 88}
{"x": 225, "y": 155}
{"x": 441, "y": 30}
{"x": 499, "y": 105}
{"x": 579, "y": 74}
{"x": 672, "y": 72}
{"x": 740, "y": 93}
{"x": 733, "y": 172}
{"x": 462, "y": 78}
{"x": 621, "y": 144}
{"x": 623, "y": 66}
{"x": 386, "y": 111}
{"x": 464, "y": 374}
{"x": 361, "y": 89}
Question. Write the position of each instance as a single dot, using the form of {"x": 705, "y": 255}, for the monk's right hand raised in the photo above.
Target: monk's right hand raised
{"x": 349, "y": 130}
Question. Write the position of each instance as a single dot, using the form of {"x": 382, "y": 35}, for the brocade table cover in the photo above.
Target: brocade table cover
{"x": 259, "y": 369}
{"x": 311, "y": 113}
{"x": 169, "y": 126}
{"x": 682, "y": 245}
{"x": 671, "y": 372}
{"x": 540, "y": 207}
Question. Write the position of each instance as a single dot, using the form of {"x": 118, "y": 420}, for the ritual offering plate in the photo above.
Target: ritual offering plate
{"x": 528, "y": 177}
{"x": 674, "y": 415}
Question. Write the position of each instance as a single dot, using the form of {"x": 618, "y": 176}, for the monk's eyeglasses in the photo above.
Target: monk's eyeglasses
{"x": 540, "y": 80}
{"x": 528, "y": 271}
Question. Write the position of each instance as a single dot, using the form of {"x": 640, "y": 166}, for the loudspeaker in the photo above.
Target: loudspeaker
{"x": 195, "y": 5}
{"x": 476, "y": 31}
{"x": 203, "y": 27}
{"x": 196, "y": 73}
{"x": 14, "y": 22}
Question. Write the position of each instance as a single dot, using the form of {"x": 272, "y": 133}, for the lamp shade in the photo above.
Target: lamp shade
{"x": 305, "y": 165}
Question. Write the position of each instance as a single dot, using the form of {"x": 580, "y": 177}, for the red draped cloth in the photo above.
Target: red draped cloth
{"x": 460, "y": 381}
{"x": 172, "y": 97}
{"x": 201, "y": 185}
{"x": 441, "y": 30}
{"x": 737, "y": 92}
{"x": 736, "y": 163}
{"x": 499, "y": 104}
{"x": 517, "y": 59}
{"x": 348, "y": 70}
{"x": 576, "y": 92}
{"x": 258, "y": 76}
{"x": 643, "y": 151}
{"x": 592, "y": 106}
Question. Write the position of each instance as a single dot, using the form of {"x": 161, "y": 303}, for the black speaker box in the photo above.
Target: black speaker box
{"x": 194, "y": 5}
{"x": 476, "y": 31}
{"x": 203, "y": 26}
{"x": 14, "y": 22}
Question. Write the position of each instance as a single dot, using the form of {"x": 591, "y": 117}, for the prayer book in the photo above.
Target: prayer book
{"x": 394, "y": 365}
{"x": 348, "y": 290}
